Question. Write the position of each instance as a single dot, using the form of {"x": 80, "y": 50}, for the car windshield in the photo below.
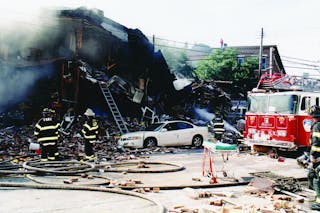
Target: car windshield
{"x": 154, "y": 127}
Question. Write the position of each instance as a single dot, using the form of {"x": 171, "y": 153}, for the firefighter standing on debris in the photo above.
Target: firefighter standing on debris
{"x": 314, "y": 169}
{"x": 46, "y": 131}
{"x": 89, "y": 132}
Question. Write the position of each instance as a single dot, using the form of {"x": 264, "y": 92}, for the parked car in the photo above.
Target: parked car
{"x": 167, "y": 133}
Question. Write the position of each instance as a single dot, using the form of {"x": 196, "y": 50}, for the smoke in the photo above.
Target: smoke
{"x": 203, "y": 114}
{"x": 15, "y": 84}
{"x": 181, "y": 83}
{"x": 90, "y": 48}
{"x": 208, "y": 116}
{"x": 22, "y": 30}
{"x": 26, "y": 37}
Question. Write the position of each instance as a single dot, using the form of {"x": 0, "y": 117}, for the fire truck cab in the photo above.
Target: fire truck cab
{"x": 279, "y": 119}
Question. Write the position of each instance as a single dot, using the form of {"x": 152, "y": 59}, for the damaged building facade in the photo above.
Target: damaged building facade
{"x": 80, "y": 53}
{"x": 85, "y": 43}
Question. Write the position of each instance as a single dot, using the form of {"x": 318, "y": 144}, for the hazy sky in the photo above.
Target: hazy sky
{"x": 292, "y": 25}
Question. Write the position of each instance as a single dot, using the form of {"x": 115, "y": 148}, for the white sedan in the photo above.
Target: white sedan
{"x": 168, "y": 133}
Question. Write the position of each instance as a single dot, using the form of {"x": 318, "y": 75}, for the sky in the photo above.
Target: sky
{"x": 292, "y": 25}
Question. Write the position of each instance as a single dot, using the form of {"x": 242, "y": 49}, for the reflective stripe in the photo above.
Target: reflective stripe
{"x": 84, "y": 132}
{"x": 316, "y": 134}
{"x": 48, "y": 144}
{"x": 218, "y": 124}
{"x": 53, "y": 138}
{"x": 48, "y": 127}
{"x": 91, "y": 157}
{"x": 44, "y": 159}
{"x": 318, "y": 200}
{"x": 91, "y": 128}
{"x": 315, "y": 148}
{"x": 219, "y": 129}
{"x": 56, "y": 154}
{"x": 36, "y": 133}
{"x": 90, "y": 136}
{"x": 51, "y": 158}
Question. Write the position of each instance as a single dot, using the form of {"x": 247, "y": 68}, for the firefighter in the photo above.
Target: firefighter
{"x": 90, "y": 133}
{"x": 314, "y": 169}
{"x": 217, "y": 126}
{"x": 46, "y": 131}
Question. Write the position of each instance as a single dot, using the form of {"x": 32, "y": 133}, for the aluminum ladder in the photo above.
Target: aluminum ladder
{"x": 113, "y": 107}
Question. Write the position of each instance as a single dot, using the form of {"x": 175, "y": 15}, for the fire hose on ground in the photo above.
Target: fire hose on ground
{"x": 160, "y": 207}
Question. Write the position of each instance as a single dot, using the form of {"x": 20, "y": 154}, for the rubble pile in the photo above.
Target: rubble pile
{"x": 15, "y": 141}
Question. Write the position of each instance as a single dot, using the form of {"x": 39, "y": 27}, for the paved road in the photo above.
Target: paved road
{"x": 238, "y": 166}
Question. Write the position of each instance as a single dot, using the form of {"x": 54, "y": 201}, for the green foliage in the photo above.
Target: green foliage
{"x": 246, "y": 70}
{"x": 222, "y": 64}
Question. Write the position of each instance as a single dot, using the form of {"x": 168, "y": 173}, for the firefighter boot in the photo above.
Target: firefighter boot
{"x": 315, "y": 206}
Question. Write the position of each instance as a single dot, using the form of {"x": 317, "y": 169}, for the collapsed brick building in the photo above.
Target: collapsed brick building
{"x": 78, "y": 46}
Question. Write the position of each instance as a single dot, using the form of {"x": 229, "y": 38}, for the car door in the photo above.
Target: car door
{"x": 168, "y": 137}
{"x": 185, "y": 133}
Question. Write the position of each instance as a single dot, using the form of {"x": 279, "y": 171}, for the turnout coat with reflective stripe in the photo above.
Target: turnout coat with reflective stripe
{"x": 46, "y": 130}
{"x": 90, "y": 130}
{"x": 315, "y": 140}
{"x": 218, "y": 125}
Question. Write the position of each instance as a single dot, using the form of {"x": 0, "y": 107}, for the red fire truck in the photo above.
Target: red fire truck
{"x": 280, "y": 118}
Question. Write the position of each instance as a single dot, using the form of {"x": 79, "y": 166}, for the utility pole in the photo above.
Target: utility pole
{"x": 271, "y": 61}
{"x": 260, "y": 53}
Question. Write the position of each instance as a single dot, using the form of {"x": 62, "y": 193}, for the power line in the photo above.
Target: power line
{"x": 182, "y": 48}
{"x": 295, "y": 62}
{"x": 180, "y": 42}
{"x": 305, "y": 68}
{"x": 299, "y": 59}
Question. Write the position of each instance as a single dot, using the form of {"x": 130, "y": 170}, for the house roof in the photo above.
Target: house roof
{"x": 246, "y": 51}
{"x": 254, "y": 50}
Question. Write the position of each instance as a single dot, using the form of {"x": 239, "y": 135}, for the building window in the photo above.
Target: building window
{"x": 240, "y": 60}
{"x": 264, "y": 63}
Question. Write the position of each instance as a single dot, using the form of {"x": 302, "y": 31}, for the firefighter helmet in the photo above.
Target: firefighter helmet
{"x": 45, "y": 111}
{"x": 314, "y": 111}
{"x": 89, "y": 112}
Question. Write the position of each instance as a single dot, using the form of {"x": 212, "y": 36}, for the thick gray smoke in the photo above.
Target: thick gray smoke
{"x": 21, "y": 34}
{"x": 15, "y": 85}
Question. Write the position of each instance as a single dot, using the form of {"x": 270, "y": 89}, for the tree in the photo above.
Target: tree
{"x": 222, "y": 64}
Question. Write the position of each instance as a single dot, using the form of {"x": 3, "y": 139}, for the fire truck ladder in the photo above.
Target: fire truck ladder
{"x": 288, "y": 82}
{"x": 104, "y": 86}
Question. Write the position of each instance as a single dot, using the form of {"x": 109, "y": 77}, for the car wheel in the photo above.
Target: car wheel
{"x": 149, "y": 143}
{"x": 197, "y": 141}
